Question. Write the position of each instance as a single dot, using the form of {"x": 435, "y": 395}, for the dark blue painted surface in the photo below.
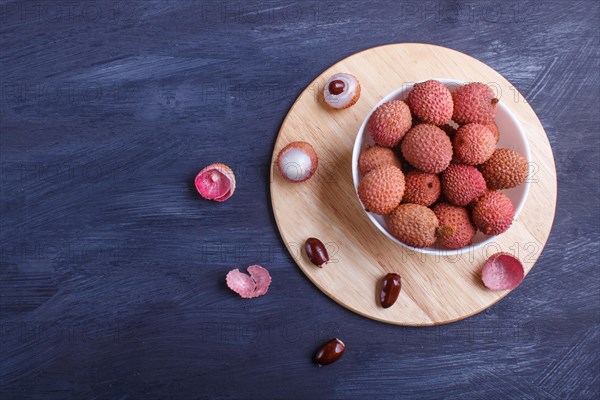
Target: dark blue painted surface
{"x": 112, "y": 268}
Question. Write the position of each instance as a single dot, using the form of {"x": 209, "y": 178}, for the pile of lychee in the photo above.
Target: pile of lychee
{"x": 435, "y": 171}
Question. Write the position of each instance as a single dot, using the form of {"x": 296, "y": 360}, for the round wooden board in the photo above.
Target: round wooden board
{"x": 435, "y": 290}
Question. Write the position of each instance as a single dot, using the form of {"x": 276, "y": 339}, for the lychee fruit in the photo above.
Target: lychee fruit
{"x": 473, "y": 144}
{"x": 389, "y": 122}
{"x": 427, "y": 148}
{"x": 381, "y": 190}
{"x": 505, "y": 169}
{"x": 375, "y": 157}
{"x": 421, "y": 188}
{"x": 456, "y": 229}
{"x": 462, "y": 184}
{"x": 341, "y": 91}
{"x": 297, "y": 161}
{"x": 474, "y": 103}
{"x": 414, "y": 225}
{"x": 495, "y": 131}
{"x": 493, "y": 213}
{"x": 215, "y": 182}
{"x": 431, "y": 102}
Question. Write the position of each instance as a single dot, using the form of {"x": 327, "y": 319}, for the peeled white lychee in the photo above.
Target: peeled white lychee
{"x": 341, "y": 91}
{"x": 297, "y": 161}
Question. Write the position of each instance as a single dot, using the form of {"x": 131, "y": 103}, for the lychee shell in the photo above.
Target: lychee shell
{"x": 216, "y": 182}
{"x": 381, "y": 190}
{"x": 414, "y": 225}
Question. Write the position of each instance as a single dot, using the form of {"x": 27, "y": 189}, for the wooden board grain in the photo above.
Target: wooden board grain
{"x": 436, "y": 290}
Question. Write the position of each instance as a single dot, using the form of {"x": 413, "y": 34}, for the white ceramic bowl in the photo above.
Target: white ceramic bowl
{"x": 511, "y": 136}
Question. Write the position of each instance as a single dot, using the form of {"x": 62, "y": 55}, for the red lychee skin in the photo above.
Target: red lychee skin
{"x": 218, "y": 188}
{"x": 427, "y": 148}
{"x": 431, "y": 102}
{"x": 421, "y": 188}
{"x": 309, "y": 150}
{"x": 456, "y": 228}
{"x": 254, "y": 285}
{"x": 474, "y": 103}
{"x": 375, "y": 157}
{"x": 381, "y": 190}
{"x": 473, "y": 144}
{"x": 493, "y": 213}
{"x": 462, "y": 184}
{"x": 502, "y": 271}
{"x": 389, "y": 122}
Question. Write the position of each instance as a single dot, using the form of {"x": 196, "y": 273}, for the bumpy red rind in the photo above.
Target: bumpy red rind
{"x": 215, "y": 182}
{"x": 502, "y": 271}
{"x": 261, "y": 277}
{"x": 248, "y": 287}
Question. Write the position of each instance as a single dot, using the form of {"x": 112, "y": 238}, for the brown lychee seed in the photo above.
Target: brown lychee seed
{"x": 337, "y": 87}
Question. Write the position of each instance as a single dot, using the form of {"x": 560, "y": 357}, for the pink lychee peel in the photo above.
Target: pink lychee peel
{"x": 248, "y": 287}
{"x": 215, "y": 182}
{"x": 502, "y": 271}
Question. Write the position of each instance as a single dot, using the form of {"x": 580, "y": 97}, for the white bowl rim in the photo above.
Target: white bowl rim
{"x": 356, "y": 175}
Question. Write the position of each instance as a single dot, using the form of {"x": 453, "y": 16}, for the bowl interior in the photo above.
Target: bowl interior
{"x": 511, "y": 136}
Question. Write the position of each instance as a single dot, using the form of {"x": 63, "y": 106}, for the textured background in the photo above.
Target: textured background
{"x": 112, "y": 268}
